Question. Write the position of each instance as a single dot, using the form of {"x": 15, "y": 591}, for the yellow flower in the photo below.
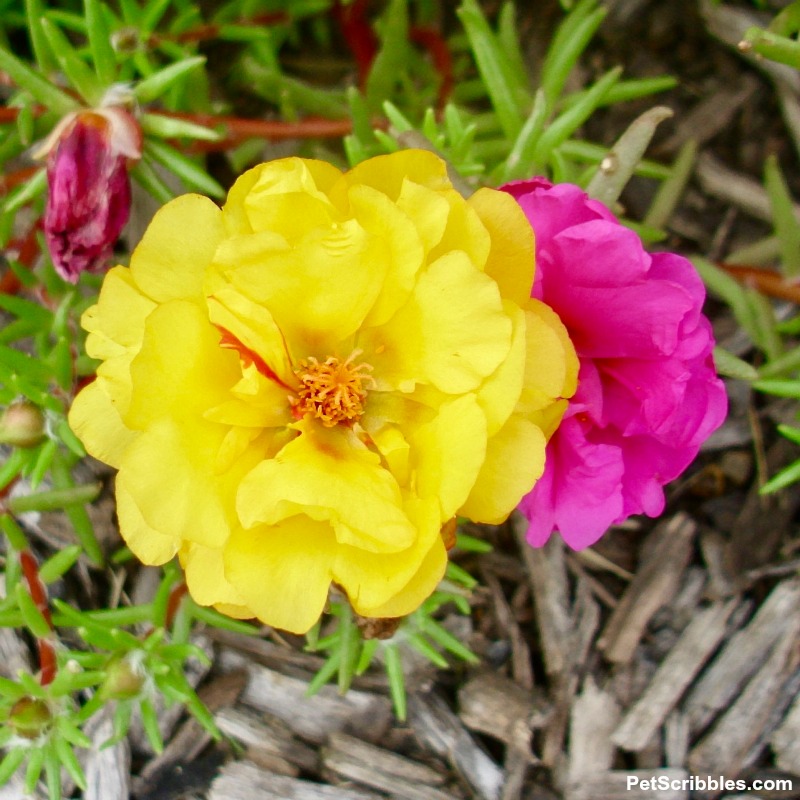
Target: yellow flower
{"x": 302, "y": 387}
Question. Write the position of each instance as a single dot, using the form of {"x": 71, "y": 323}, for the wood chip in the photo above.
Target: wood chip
{"x": 492, "y": 704}
{"x": 241, "y": 779}
{"x": 107, "y": 770}
{"x": 724, "y": 749}
{"x": 785, "y": 741}
{"x": 586, "y": 614}
{"x": 520, "y": 652}
{"x": 280, "y": 658}
{"x": 372, "y": 766}
{"x": 14, "y": 653}
{"x": 711, "y": 115}
{"x": 789, "y": 692}
{"x": 595, "y": 714}
{"x": 263, "y": 735}
{"x": 653, "y": 586}
{"x": 685, "y": 660}
{"x": 441, "y": 730}
{"x": 170, "y": 715}
{"x": 676, "y": 739}
{"x": 192, "y": 738}
{"x": 742, "y": 656}
{"x": 14, "y": 789}
{"x": 732, "y": 187}
{"x": 547, "y": 575}
{"x": 756, "y": 535}
{"x": 615, "y": 785}
{"x": 315, "y": 718}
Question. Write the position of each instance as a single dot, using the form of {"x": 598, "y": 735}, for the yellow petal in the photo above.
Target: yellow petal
{"x": 551, "y": 365}
{"x": 549, "y": 417}
{"x": 329, "y": 475}
{"x": 253, "y": 326}
{"x": 149, "y": 545}
{"x": 205, "y": 577}
{"x": 283, "y": 571}
{"x": 511, "y": 258}
{"x": 514, "y": 462}
{"x": 167, "y": 473}
{"x": 395, "y": 243}
{"x": 177, "y": 247}
{"x": 234, "y": 611}
{"x": 388, "y": 173}
{"x": 428, "y": 211}
{"x": 97, "y": 423}
{"x": 453, "y": 333}
{"x": 464, "y": 232}
{"x": 499, "y": 393}
{"x": 395, "y": 449}
{"x": 116, "y": 322}
{"x": 319, "y": 292}
{"x": 180, "y": 371}
{"x": 417, "y": 590}
{"x": 448, "y": 453}
{"x": 372, "y": 579}
{"x": 274, "y": 178}
{"x": 294, "y": 214}
{"x": 116, "y": 327}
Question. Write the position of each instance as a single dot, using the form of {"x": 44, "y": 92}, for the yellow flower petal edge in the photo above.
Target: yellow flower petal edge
{"x": 301, "y": 388}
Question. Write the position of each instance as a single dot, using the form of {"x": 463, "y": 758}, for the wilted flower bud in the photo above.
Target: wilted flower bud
{"x": 22, "y": 424}
{"x": 89, "y": 193}
{"x": 30, "y": 717}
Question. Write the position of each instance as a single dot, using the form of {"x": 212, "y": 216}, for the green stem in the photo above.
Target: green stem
{"x": 53, "y": 499}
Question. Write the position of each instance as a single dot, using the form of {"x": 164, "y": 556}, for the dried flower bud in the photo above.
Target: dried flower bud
{"x": 89, "y": 193}
{"x": 124, "y": 680}
{"x": 30, "y": 717}
{"x": 22, "y": 424}
{"x": 378, "y": 628}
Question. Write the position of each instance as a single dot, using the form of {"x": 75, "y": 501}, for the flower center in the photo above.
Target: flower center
{"x": 332, "y": 391}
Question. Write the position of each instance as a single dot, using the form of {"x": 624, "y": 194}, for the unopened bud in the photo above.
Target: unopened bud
{"x": 123, "y": 681}
{"x": 30, "y": 717}
{"x": 89, "y": 192}
{"x": 22, "y": 424}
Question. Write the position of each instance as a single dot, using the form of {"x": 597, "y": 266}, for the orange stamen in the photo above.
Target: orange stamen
{"x": 332, "y": 391}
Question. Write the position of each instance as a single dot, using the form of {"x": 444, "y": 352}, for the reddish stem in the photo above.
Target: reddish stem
{"x": 358, "y": 34}
{"x": 47, "y": 661}
{"x": 434, "y": 43}
{"x": 174, "y": 602}
{"x": 208, "y": 31}
{"x": 30, "y": 569}
{"x": 16, "y": 178}
{"x": 238, "y": 129}
{"x": 766, "y": 281}
{"x": 38, "y": 592}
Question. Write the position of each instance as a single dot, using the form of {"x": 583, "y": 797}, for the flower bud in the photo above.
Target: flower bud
{"x": 123, "y": 680}
{"x": 22, "y": 424}
{"x": 30, "y": 717}
{"x": 89, "y": 192}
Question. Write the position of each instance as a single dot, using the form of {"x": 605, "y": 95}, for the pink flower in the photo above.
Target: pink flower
{"x": 648, "y": 394}
{"x": 89, "y": 193}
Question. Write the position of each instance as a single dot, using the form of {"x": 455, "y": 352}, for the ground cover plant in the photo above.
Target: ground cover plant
{"x": 275, "y": 372}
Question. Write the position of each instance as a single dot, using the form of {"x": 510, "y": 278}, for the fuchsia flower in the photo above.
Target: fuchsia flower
{"x": 648, "y": 394}
{"x": 89, "y": 192}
